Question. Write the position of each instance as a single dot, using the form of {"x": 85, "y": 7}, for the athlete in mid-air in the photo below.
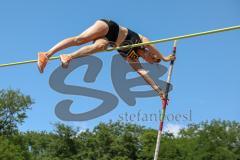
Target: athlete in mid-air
{"x": 106, "y": 33}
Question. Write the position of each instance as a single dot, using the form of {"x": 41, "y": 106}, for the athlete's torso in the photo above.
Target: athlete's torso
{"x": 121, "y": 36}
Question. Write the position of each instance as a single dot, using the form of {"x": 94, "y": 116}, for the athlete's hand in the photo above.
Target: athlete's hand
{"x": 171, "y": 57}
{"x": 162, "y": 95}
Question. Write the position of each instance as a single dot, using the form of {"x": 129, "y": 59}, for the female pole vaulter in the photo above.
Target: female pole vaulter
{"x": 106, "y": 33}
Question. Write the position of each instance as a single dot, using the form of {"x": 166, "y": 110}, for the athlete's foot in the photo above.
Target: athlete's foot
{"x": 42, "y": 61}
{"x": 65, "y": 59}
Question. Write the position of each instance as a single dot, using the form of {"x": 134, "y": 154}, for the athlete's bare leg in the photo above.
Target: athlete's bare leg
{"x": 99, "y": 45}
{"x": 98, "y": 30}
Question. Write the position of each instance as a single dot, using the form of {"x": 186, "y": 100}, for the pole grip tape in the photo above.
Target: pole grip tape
{"x": 161, "y": 126}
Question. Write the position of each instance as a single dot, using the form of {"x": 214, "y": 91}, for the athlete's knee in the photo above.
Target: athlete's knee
{"x": 100, "y": 46}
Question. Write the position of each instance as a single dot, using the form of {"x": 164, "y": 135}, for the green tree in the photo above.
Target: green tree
{"x": 147, "y": 144}
{"x": 9, "y": 150}
{"x": 13, "y": 106}
{"x": 40, "y": 145}
{"x": 65, "y": 145}
{"x": 217, "y": 140}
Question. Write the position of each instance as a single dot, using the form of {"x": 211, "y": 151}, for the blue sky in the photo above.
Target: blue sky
{"x": 205, "y": 78}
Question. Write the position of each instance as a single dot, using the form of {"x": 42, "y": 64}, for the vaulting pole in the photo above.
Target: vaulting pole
{"x": 164, "y": 104}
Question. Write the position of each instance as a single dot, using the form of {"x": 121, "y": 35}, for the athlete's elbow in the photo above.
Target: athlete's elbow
{"x": 142, "y": 72}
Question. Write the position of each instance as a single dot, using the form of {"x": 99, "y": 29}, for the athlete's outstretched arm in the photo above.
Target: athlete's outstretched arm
{"x": 155, "y": 52}
{"x": 136, "y": 65}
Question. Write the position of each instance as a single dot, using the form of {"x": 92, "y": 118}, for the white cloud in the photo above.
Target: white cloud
{"x": 173, "y": 128}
